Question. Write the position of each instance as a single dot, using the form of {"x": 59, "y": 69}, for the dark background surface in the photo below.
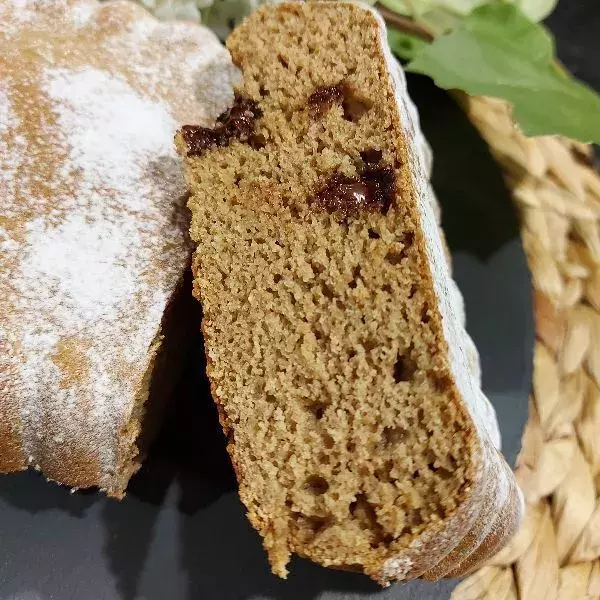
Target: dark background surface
{"x": 181, "y": 532}
{"x": 576, "y": 27}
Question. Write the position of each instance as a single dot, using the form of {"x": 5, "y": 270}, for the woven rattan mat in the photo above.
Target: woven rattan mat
{"x": 557, "y": 193}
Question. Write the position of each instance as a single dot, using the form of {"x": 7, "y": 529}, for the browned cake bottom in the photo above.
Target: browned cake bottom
{"x": 168, "y": 352}
{"x": 324, "y": 340}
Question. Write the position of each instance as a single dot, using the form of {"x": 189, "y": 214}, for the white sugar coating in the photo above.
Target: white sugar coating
{"x": 23, "y": 12}
{"x": 79, "y": 283}
{"x": 396, "y": 569}
{"x": 113, "y": 132}
{"x": 7, "y": 118}
{"x": 93, "y": 230}
{"x": 88, "y": 267}
{"x": 10, "y": 160}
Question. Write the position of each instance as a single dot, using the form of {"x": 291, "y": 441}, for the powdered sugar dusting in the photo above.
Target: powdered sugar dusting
{"x": 396, "y": 569}
{"x": 79, "y": 282}
{"x": 88, "y": 268}
{"x": 93, "y": 227}
{"x": 111, "y": 133}
{"x": 25, "y": 12}
{"x": 11, "y": 160}
{"x": 7, "y": 118}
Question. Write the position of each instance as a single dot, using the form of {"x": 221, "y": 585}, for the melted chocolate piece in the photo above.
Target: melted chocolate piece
{"x": 373, "y": 190}
{"x": 236, "y": 123}
{"x": 372, "y": 156}
{"x": 324, "y": 97}
{"x": 381, "y": 181}
{"x": 342, "y": 194}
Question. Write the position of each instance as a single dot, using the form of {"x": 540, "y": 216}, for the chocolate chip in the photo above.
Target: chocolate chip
{"x": 353, "y": 105}
{"x": 236, "y": 123}
{"x": 324, "y": 97}
{"x": 371, "y": 157}
{"x": 342, "y": 194}
{"x": 381, "y": 181}
{"x": 373, "y": 190}
{"x": 198, "y": 139}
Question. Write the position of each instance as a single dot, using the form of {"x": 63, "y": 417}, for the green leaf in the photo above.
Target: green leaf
{"x": 438, "y": 16}
{"x": 410, "y": 8}
{"x": 498, "y": 52}
{"x": 405, "y": 45}
{"x": 441, "y": 21}
{"x": 443, "y": 16}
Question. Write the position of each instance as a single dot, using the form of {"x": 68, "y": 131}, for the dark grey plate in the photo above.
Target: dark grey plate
{"x": 181, "y": 533}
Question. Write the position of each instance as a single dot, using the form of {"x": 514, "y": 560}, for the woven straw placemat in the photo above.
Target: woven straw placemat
{"x": 556, "y": 190}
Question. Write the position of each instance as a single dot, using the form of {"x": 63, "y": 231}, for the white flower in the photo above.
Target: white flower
{"x": 187, "y": 10}
{"x": 220, "y": 15}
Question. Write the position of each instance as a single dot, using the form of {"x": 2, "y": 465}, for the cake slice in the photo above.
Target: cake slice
{"x": 93, "y": 228}
{"x": 336, "y": 351}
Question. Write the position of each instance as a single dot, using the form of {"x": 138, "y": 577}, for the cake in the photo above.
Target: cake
{"x": 345, "y": 381}
{"x": 93, "y": 228}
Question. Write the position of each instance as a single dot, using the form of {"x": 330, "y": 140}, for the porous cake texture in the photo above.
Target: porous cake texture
{"x": 92, "y": 225}
{"x": 346, "y": 383}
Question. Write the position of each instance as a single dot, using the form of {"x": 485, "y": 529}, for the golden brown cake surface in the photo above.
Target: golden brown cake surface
{"x": 92, "y": 227}
{"x": 336, "y": 349}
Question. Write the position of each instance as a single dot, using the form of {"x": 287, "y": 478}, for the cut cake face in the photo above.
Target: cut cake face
{"x": 347, "y": 386}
